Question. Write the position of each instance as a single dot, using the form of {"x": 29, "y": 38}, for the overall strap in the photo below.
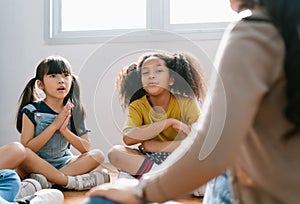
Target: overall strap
{"x": 31, "y": 108}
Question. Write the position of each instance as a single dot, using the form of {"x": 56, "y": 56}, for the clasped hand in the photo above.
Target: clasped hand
{"x": 62, "y": 119}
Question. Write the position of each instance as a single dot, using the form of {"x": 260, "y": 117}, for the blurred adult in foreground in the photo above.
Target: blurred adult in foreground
{"x": 258, "y": 63}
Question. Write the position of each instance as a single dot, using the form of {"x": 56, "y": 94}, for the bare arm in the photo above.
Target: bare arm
{"x": 147, "y": 132}
{"x": 82, "y": 144}
{"x": 36, "y": 143}
{"x": 166, "y": 146}
{"x": 27, "y": 135}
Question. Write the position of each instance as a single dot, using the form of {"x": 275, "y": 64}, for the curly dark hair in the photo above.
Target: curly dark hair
{"x": 129, "y": 85}
{"x": 184, "y": 67}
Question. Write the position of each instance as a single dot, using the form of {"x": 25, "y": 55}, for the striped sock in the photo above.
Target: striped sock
{"x": 144, "y": 168}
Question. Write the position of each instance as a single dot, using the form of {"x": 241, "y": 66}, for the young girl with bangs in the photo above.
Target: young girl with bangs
{"x": 50, "y": 125}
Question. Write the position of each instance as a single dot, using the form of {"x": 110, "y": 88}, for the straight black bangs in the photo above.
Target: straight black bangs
{"x": 55, "y": 66}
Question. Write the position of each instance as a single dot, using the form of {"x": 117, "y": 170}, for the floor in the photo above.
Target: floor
{"x": 73, "y": 197}
{"x": 77, "y": 197}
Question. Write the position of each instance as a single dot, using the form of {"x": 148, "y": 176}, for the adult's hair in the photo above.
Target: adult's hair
{"x": 285, "y": 16}
{"x": 53, "y": 65}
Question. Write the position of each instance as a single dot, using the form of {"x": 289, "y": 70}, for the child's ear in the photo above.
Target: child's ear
{"x": 171, "y": 81}
{"x": 40, "y": 84}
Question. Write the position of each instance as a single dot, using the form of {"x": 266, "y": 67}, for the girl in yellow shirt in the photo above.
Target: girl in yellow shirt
{"x": 162, "y": 92}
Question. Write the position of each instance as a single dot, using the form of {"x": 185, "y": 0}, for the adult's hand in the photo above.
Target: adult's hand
{"x": 120, "y": 191}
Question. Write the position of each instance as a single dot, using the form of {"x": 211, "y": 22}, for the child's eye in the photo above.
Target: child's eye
{"x": 145, "y": 73}
{"x": 52, "y": 75}
{"x": 66, "y": 75}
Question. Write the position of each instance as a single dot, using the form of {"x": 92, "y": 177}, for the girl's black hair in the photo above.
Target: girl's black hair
{"x": 53, "y": 65}
{"x": 285, "y": 16}
{"x": 185, "y": 68}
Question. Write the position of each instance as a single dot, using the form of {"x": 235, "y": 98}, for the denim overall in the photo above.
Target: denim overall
{"x": 56, "y": 151}
{"x": 218, "y": 190}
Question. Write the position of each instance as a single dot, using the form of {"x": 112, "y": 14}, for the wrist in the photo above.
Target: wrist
{"x": 64, "y": 131}
{"x": 53, "y": 127}
{"x": 169, "y": 122}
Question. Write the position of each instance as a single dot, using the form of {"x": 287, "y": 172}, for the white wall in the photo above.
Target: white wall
{"x": 22, "y": 47}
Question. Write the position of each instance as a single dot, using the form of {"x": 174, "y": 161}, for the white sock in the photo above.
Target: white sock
{"x": 154, "y": 166}
{"x": 71, "y": 182}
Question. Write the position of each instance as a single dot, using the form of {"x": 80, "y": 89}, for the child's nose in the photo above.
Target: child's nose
{"x": 61, "y": 80}
{"x": 151, "y": 74}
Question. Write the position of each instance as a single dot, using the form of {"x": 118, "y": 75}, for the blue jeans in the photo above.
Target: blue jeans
{"x": 10, "y": 184}
{"x": 98, "y": 199}
{"x": 218, "y": 191}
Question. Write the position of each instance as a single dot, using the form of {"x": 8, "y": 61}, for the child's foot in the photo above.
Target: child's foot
{"x": 92, "y": 179}
{"x": 28, "y": 187}
{"x": 42, "y": 180}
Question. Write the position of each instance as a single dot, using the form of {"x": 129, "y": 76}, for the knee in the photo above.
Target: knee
{"x": 18, "y": 150}
{"x": 97, "y": 155}
{"x": 114, "y": 154}
{"x": 29, "y": 154}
